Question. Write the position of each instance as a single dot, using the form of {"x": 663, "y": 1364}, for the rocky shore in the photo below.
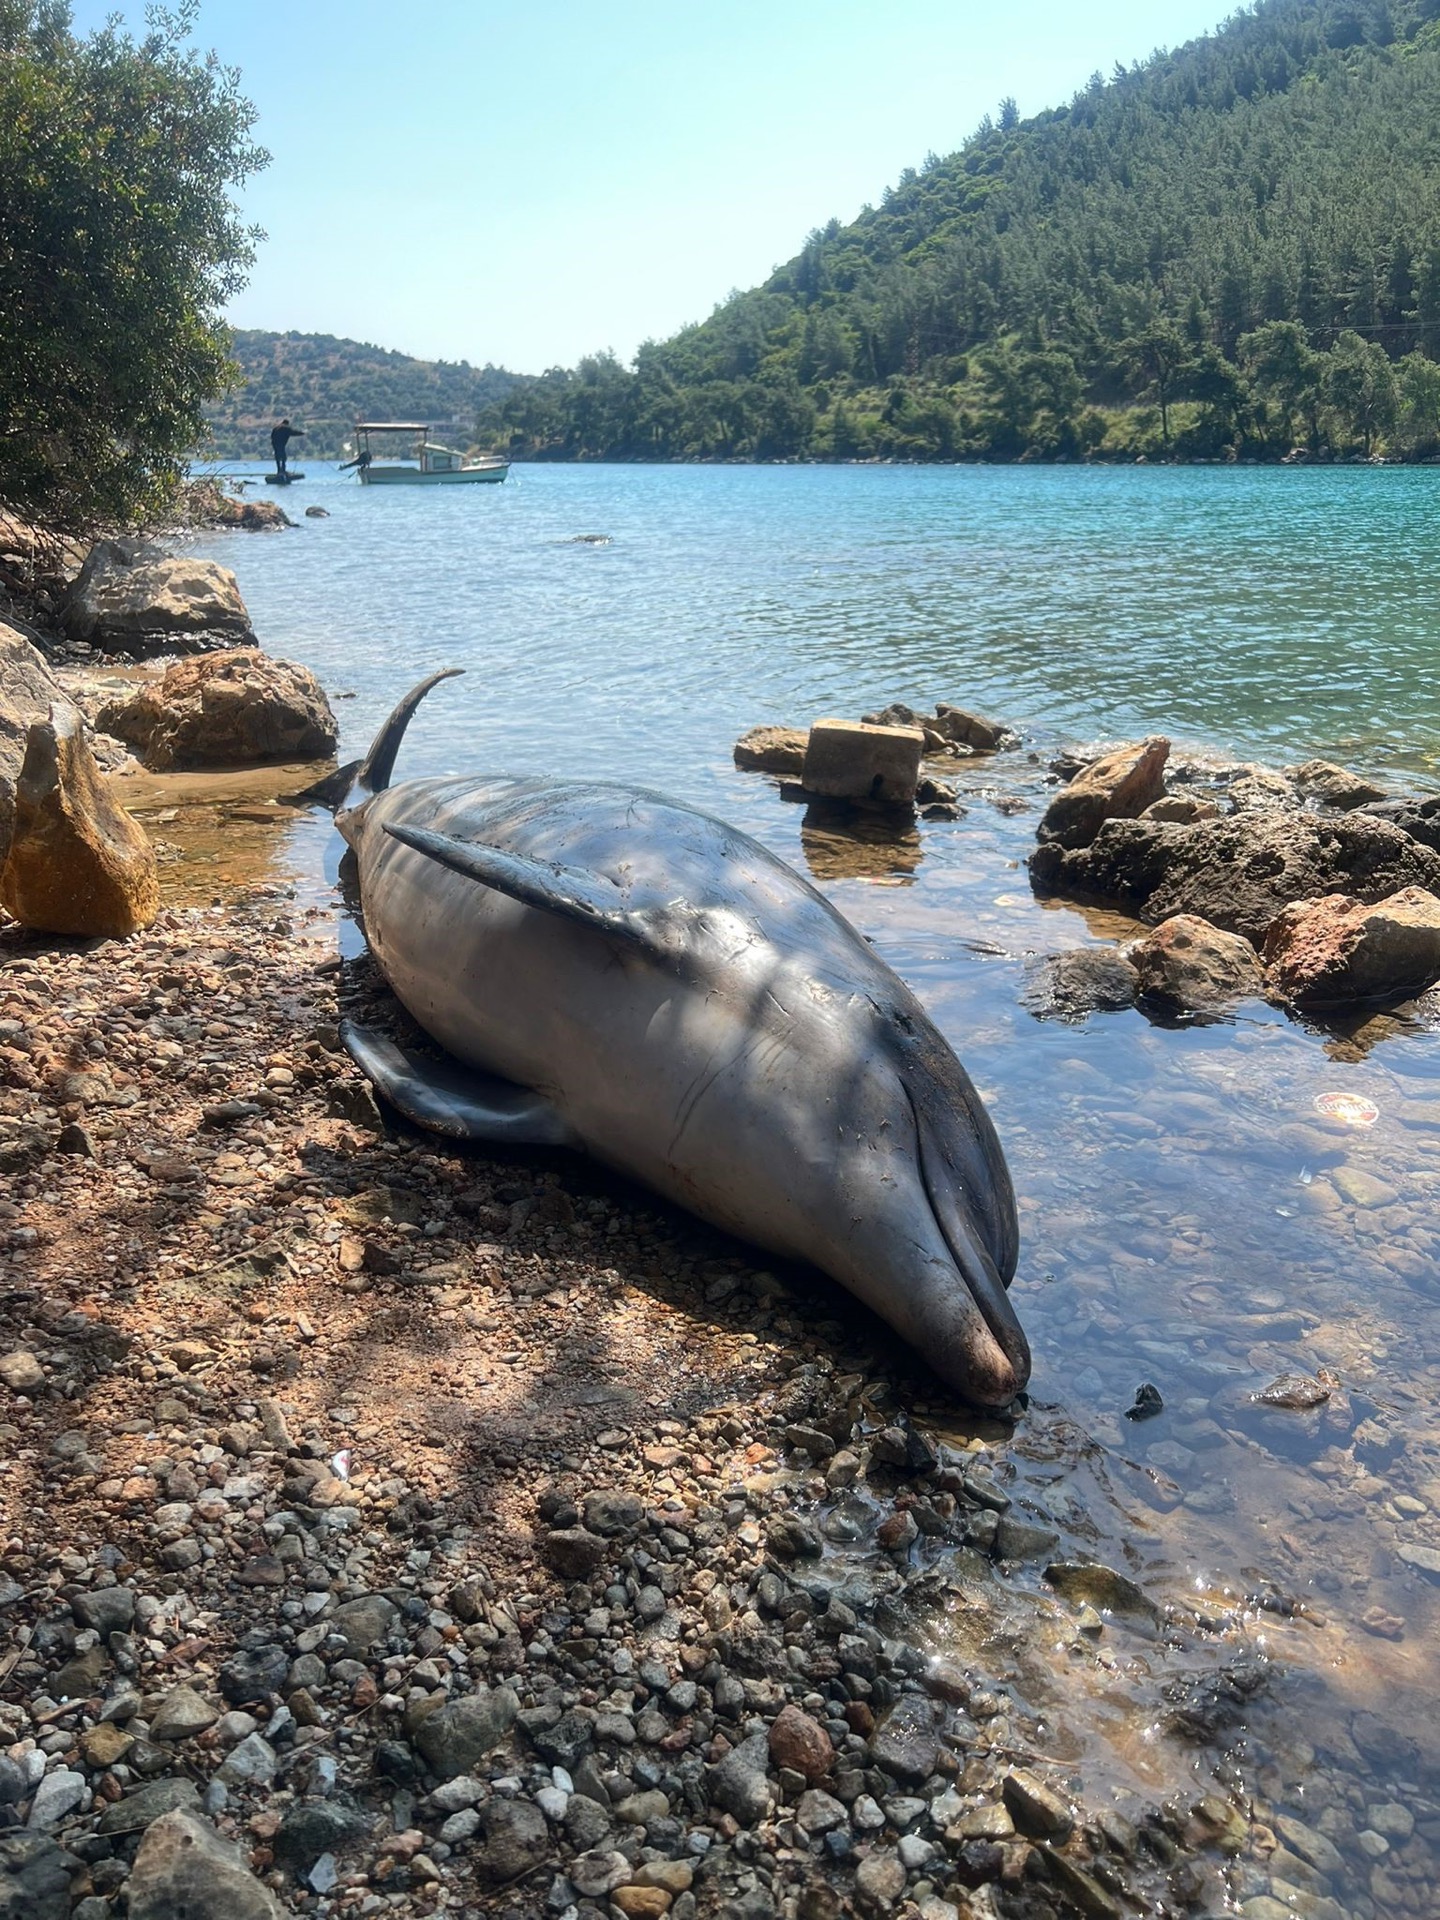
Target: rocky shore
{"x": 347, "y": 1518}
{"x": 394, "y": 1528}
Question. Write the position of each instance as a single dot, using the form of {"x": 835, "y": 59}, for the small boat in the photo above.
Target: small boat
{"x": 429, "y": 465}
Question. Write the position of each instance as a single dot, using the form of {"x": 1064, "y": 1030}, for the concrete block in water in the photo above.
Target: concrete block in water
{"x": 848, "y": 760}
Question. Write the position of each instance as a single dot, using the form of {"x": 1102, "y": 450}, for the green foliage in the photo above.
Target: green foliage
{"x": 119, "y": 245}
{"x": 1132, "y": 253}
{"x": 325, "y": 385}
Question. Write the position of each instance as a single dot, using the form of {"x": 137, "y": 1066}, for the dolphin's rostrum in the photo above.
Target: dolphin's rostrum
{"x": 618, "y": 972}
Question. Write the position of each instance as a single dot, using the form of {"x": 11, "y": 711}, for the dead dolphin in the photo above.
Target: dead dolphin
{"x": 615, "y": 971}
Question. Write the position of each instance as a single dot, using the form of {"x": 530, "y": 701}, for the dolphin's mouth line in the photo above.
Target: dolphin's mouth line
{"x": 974, "y": 1265}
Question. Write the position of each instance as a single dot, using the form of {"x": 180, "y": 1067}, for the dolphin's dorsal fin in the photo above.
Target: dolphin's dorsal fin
{"x": 574, "y": 892}
{"x": 372, "y": 775}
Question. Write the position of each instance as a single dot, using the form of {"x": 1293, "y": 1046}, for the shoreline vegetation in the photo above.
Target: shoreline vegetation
{"x": 1230, "y": 251}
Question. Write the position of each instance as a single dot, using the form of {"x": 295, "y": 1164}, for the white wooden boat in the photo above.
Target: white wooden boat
{"x": 428, "y": 465}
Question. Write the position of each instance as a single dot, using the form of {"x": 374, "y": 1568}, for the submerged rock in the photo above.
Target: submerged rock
{"x": 1299, "y": 1391}
{"x": 1238, "y": 873}
{"x": 1101, "y": 1587}
{"x": 128, "y": 599}
{"x": 233, "y": 709}
{"x": 847, "y": 760}
{"x": 1071, "y": 986}
{"x": 1188, "y": 963}
{"x": 78, "y": 864}
{"x": 1118, "y": 786}
{"x": 1336, "y": 951}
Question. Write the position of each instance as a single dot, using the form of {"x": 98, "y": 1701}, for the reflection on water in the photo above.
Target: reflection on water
{"x": 217, "y": 832}
{"x": 1191, "y": 1218}
{"x": 842, "y": 841}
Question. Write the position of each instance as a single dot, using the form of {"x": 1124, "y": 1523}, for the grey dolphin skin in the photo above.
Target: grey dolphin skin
{"x": 614, "y": 971}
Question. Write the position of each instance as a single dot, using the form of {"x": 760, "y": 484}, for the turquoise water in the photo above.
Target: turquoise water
{"x": 1188, "y": 1219}
{"x": 1277, "y": 612}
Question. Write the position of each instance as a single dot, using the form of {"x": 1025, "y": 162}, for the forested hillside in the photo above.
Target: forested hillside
{"x": 1232, "y": 250}
{"x": 325, "y": 385}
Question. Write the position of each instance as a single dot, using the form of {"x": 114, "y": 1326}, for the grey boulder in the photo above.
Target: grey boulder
{"x": 127, "y": 598}
{"x": 185, "y": 1871}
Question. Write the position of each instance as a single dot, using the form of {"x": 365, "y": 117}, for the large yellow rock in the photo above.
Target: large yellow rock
{"x": 78, "y": 864}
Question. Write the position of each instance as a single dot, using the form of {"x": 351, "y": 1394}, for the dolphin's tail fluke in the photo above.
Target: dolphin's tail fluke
{"x": 372, "y": 774}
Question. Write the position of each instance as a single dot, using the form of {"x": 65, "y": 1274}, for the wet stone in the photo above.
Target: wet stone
{"x": 1017, "y": 1540}
{"x": 1101, "y": 1587}
{"x": 906, "y": 1746}
{"x": 801, "y": 1743}
{"x": 1035, "y": 1807}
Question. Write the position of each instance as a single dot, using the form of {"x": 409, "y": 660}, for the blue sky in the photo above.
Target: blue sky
{"x": 484, "y": 180}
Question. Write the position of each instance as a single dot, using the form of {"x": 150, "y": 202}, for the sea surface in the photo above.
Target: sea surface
{"x": 1190, "y": 1218}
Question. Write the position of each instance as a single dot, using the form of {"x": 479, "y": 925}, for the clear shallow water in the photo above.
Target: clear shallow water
{"x": 1189, "y": 1217}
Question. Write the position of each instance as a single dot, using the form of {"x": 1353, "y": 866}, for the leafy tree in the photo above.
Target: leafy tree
{"x": 1418, "y": 382}
{"x": 1162, "y": 357}
{"x": 1285, "y": 372}
{"x": 119, "y": 245}
{"x": 1359, "y": 388}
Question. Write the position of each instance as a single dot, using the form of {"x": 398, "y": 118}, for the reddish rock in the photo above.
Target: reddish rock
{"x": 1188, "y": 963}
{"x": 772, "y": 749}
{"x": 1120, "y": 786}
{"x": 1336, "y": 951}
{"x": 235, "y": 709}
{"x": 798, "y": 1742}
{"x": 77, "y": 864}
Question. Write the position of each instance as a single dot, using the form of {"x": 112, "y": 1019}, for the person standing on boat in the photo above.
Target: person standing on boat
{"x": 280, "y": 439}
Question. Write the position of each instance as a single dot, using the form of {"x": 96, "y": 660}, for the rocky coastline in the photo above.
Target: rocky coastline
{"x": 397, "y": 1529}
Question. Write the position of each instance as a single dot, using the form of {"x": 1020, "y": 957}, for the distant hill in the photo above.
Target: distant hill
{"x": 1228, "y": 251}
{"x": 325, "y": 385}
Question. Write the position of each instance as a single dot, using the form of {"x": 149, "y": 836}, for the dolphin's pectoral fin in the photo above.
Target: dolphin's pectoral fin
{"x": 454, "y": 1100}
{"x": 572, "y": 891}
